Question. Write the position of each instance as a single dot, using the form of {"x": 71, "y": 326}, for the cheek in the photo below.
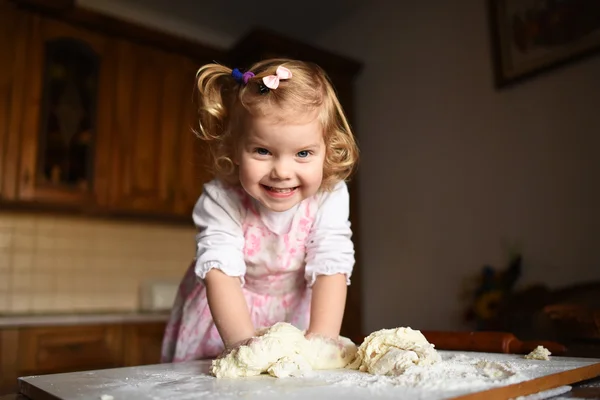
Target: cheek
{"x": 319, "y": 175}
{"x": 321, "y": 165}
{"x": 249, "y": 168}
{"x": 314, "y": 173}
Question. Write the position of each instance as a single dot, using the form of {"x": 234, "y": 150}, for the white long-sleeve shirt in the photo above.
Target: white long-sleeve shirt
{"x": 222, "y": 211}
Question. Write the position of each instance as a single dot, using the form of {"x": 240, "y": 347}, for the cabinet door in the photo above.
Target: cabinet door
{"x": 59, "y": 106}
{"x": 143, "y": 343}
{"x": 191, "y": 165}
{"x": 148, "y": 106}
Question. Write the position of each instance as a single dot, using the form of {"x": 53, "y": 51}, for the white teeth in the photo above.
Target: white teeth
{"x": 280, "y": 190}
{"x": 286, "y": 190}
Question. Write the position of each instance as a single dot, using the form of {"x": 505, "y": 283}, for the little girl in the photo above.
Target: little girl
{"x": 274, "y": 239}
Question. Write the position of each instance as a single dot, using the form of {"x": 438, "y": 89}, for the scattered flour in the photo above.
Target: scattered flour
{"x": 452, "y": 374}
{"x": 546, "y": 394}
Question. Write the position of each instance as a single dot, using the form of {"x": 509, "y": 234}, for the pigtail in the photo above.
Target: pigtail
{"x": 343, "y": 152}
{"x": 217, "y": 93}
{"x": 214, "y": 98}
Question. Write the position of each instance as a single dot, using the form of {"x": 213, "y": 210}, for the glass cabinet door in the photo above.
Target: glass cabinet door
{"x": 68, "y": 115}
{"x": 61, "y": 118}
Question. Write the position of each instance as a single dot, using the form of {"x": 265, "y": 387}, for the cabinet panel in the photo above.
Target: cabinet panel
{"x": 13, "y": 50}
{"x": 9, "y": 343}
{"x": 191, "y": 165}
{"x": 69, "y": 348}
{"x": 149, "y": 110}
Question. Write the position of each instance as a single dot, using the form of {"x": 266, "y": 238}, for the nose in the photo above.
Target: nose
{"x": 282, "y": 169}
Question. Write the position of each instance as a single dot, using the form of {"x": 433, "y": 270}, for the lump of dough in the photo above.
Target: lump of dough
{"x": 290, "y": 366}
{"x": 393, "y": 351}
{"x": 281, "y": 341}
{"x": 539, "y": 353}
{"x": 281, "y": 351}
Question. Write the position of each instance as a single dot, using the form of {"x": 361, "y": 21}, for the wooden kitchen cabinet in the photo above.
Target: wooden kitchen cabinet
{"x": 105, "y": 129}
{"x": 56, "y": 349}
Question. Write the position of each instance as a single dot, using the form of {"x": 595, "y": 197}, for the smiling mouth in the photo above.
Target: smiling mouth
{"x": 280, "y": 190}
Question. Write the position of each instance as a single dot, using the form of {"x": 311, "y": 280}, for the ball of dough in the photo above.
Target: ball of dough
{"x": 393, "y": 351}
{"x": 282, "y": 350}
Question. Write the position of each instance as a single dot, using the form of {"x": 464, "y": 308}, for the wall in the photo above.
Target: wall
{"x": 452, "y": 169}
{"x": 147, "y": 16}
{"x": 66, "y": 264}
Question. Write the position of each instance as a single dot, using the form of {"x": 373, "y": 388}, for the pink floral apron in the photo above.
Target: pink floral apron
{"x": 275, "y": 287}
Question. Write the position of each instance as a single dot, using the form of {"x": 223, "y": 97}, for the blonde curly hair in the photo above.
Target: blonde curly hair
{"x": 224, "y": 103}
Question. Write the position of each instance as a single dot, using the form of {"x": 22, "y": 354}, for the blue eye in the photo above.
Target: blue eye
{"x": 262, "y": 151}
{"x": 303, "y": 153}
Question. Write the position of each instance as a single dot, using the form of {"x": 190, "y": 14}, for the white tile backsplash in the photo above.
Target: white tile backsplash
{"x": 71, "y": 264}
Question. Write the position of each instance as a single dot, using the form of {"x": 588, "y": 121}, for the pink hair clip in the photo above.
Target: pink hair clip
{"x": 272, "y": 81}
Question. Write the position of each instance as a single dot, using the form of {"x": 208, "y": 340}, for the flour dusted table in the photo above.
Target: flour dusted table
{"x": 190, "y": 380}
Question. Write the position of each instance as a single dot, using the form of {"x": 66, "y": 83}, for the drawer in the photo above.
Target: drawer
{"x": 70, "y": 348}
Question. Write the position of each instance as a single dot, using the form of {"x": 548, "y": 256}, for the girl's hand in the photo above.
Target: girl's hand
{"x": 325, "y": 340}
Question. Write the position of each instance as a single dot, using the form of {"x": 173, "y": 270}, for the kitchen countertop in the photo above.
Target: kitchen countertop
{"x": 31, "y": 320}
{"x": 190, "y": 380}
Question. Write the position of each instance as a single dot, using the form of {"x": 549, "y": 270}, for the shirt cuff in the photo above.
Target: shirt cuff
{"x": 202, "y": 269}
{"x": 312, "y": 273}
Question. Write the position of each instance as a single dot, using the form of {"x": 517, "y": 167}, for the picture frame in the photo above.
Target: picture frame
{"x": 534, "y": 36}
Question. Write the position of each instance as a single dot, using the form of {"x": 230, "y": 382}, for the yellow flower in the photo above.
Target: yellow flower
{"x": 486, "y": 305}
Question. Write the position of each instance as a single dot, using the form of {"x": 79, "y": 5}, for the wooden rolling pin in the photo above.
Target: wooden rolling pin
{"x": 487, "y": 342}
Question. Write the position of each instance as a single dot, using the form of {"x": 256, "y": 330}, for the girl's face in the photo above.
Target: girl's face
{"x": 281, "y": 164}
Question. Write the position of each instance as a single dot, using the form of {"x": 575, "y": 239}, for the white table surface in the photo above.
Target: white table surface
{"x": 191, "y": 380}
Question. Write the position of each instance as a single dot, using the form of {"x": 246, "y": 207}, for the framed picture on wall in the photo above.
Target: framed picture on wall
{"x": 531, "y": 36}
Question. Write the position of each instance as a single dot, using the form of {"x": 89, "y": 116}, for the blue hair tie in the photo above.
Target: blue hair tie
{"x": 241, "y": 77}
